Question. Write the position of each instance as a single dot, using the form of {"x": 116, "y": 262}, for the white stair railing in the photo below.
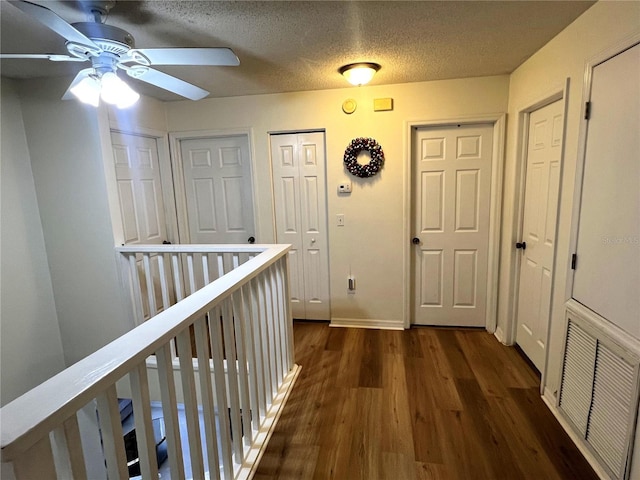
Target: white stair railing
{"x": 231, "y": 376}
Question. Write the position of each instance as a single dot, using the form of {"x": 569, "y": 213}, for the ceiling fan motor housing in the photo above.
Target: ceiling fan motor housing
{"x": 109, "y": 38}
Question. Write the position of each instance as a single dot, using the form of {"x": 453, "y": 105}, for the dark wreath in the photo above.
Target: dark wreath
{"x": 356, "y": 146}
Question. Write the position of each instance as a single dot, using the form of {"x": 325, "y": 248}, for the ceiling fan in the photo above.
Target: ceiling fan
{"x": 110, "y": 49}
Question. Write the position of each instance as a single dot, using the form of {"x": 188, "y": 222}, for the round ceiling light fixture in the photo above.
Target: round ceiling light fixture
{"x": 359, "y": 73}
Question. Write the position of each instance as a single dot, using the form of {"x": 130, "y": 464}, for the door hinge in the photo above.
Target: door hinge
{"x": 574, "y": 260}
{"x": 587, "y": 110}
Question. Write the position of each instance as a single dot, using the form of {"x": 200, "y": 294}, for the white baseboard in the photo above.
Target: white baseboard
{"x": 550, "y": 400}
{"x": 367, "y": 323}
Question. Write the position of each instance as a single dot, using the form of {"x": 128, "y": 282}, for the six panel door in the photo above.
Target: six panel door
{"x": 544, "y": 154}
{"x": 451, "y": 200}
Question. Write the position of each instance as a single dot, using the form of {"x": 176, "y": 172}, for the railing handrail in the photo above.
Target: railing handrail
{"x": 26, "y": 418}
{"x": 195, "y": 248}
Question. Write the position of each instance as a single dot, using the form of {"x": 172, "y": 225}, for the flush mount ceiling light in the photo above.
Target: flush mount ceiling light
{"x": 359, "y": 73}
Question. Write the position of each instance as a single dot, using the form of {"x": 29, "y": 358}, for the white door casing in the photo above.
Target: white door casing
{"x": 543, "y": 169}
{"x": 452, "y": 176}
{"x": 139, "y": 183}
{"x": 217, "y": 189}
{"x": 298, "y": 162}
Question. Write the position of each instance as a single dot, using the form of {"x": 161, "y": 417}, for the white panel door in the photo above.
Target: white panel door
{"x": 607, "y": 274}
{"x": 218, "y": 191}
{"x": 451, "y": 199}
{"x": 301, "y": 219}
{"x": 544, "y": 155}
{"x": 137, "y": 168}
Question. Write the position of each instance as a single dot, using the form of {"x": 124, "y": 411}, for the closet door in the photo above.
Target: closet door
{"x": 607, "y": 266}
{"x": 299, "y": 186}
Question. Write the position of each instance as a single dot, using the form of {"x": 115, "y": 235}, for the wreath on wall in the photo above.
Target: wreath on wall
{"x": 351, "y": 153}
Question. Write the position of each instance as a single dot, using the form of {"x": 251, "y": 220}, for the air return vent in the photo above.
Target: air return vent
{"x": 599, "y": 393}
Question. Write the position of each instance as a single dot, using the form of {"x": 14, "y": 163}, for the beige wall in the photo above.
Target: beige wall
{"x": 31, "y": 347}
{"x": 370, "y": 245}
{"x": 602, "y": 26}
{"x": 64, "y": 141}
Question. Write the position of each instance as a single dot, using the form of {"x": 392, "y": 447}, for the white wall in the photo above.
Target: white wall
{"x": 64, "y": 140}
{"x": 31, "y": 347}
{"x": 371, "y": 242}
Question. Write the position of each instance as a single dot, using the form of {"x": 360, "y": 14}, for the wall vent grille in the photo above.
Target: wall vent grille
{"x": 599, "y": 393}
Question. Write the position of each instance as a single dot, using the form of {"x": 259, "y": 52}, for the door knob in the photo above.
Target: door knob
{"x": 166, "y": 242}
{"x": 313, "y": 240}
{"x": 251, "y": 240}
{"x": 415, "y": 241}
{"x": 522, "y": 245}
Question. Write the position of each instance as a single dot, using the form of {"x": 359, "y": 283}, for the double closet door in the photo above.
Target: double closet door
{"x": 299, "y": 182}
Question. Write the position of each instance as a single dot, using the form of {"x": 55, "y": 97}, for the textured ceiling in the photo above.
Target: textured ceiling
{"x": 296, "y": 46}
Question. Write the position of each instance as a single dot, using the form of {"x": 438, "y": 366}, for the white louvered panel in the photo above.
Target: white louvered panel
{"x": 612, "y": 409}
{"x": 577, "y": 376}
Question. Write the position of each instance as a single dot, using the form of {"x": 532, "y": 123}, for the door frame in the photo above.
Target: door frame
{"x": 497, "y": 166}
{"x": 175, "y": 138}
{"x": 166, "y": 179}
{"x": 559, "y": 92}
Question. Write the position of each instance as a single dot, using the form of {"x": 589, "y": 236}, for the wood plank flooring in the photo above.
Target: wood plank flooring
{"x": 417, "y": 404}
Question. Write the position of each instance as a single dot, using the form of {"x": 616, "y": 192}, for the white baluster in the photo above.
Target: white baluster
{"x": 190, "y": 403}
{"x": 251, "y": 356}
{"x": 217, "y": 354}
{"x": 243, "y": 377}
{"x": 264, "y": 336}
{"x": 256, "y": 319}
{"x": 148, "y": 275}
{"x": 268, "y": 299}
{"x": 232, "y": 378}
{"x": 236, "y": 260}
{"x": 170, "y": 411}
{"x": 69, "y": 461}
{"x": 191, "y": 274}
{"x": 136, "y": 290}
{"x": 175, "y": 262}
{"x": 36, "y": 463}
{"x": 277, "y": 339}
{"x": 283, "y": 265}
{"x": 164, "y": 287}
{"x": 201, "y": 333}
{"x": 221, "y": 271}
{"x": 142, "y": 418}
{"x": 111, "y": 431}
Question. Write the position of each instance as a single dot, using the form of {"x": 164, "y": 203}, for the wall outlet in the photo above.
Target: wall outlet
{"x": 340, "y": 219}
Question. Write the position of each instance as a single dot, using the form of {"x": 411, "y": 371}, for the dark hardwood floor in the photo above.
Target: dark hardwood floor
{"x": 417, "y": 404}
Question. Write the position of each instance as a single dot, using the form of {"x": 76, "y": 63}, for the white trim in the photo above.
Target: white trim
{"x": 549, "y": 399}
{"x": 176, "y": 163}
{"x": 367, "y": 323}
{"x": 590, "y": 64}
{"x": 497, "y": 168}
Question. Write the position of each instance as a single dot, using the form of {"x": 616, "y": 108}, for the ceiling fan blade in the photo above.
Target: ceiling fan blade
{"x": 82, "y": 74}
{"x": 185, "y": 56}
{"x": 55, "y": 23}
{"x": 47, "y": 56}
{"x": 167, "y": 82}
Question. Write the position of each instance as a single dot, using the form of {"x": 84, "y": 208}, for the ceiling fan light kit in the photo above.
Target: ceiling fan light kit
{"x": 359, "y": 73}
{"x": 110, "y": 49}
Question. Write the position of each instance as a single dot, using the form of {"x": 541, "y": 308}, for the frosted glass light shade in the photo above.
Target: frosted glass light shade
{"x": 359, "y": 73}
{"x": 116, "y": 92}
{"x": 88, "y": 91}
